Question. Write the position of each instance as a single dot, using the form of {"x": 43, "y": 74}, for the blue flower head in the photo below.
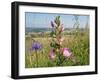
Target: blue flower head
{"x": 36, "y": 46}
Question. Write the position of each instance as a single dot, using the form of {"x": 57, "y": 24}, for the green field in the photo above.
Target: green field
{"x": 78, "y": 44}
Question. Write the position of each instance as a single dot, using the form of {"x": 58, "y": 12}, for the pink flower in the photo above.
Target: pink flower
{"x": 62, "y": 39}
{"x": 52, "y": 55}
{"x": 60, "y": 43}
{"x": 62, "y": 28}
{"x": 66, "y": 52}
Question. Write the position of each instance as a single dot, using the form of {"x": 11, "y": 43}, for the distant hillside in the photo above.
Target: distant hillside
{"x": 36, "y": 29}
{"x": 46, "y": 29}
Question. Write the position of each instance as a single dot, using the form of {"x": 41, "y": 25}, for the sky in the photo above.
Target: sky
{"x": 42, "y": 20}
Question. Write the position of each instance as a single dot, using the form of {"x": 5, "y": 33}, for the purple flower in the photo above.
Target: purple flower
{"x": 52, "y": 24}
{"x": 36, "y": 46}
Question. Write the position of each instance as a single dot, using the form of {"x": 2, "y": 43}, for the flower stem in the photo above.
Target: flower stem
{"x": 30, "y": 60}
{"x": 36, "y": 59}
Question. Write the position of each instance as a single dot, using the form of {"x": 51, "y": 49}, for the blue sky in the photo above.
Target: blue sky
{"x": 43, "y": 20}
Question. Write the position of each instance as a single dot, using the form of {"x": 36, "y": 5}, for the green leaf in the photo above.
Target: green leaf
{"x": 52, "y": 44}
{"x": 57, "y": 20}
{"x": 52, "y": 33}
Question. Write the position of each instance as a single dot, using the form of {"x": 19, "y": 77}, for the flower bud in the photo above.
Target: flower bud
{"x": 52, "y": 24}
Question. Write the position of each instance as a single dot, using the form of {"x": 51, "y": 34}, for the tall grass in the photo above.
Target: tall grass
{"x": 78, "y": 44}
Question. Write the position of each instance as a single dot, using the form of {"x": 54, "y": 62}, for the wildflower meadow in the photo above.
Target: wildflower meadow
{"x": 58, "y": 46}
